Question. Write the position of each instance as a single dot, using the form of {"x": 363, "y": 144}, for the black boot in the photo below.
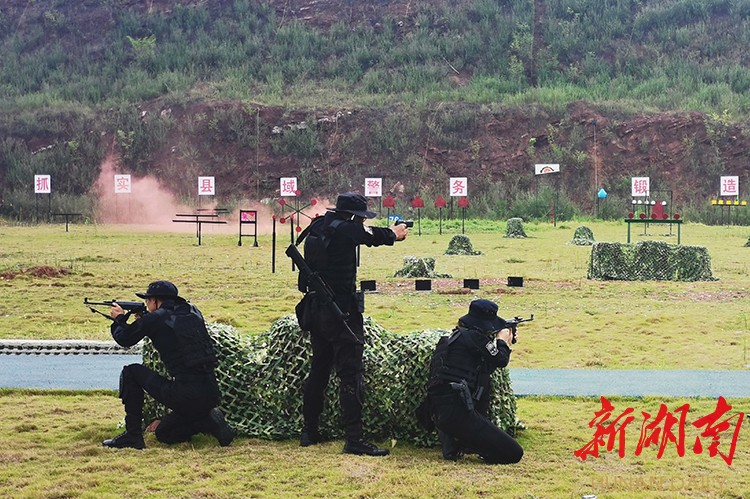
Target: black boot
{"x": 127, "y": 440}
{"x": 309, "y": 437}
{"x": 363, "y": 448}
{"x": 451, "y": 449}
{"x": 219, "y": 427}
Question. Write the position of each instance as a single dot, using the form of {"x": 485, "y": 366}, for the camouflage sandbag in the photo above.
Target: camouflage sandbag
{"x": 515, "y": 228}
{"x": 583, "y": 236}
{"x": 460, "y": 244}
{"x": 419, "y": 267}
{"x": 261, "y": 379}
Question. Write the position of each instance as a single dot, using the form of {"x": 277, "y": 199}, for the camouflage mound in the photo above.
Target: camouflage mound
{"x": 419, "y": 267}
{"x": 649, "y": 260}
{"x": 261, "y": 382}
{"x": 583, "y": 237}
{"x": 515, "y": 228}
{"x": 461, "y": 245}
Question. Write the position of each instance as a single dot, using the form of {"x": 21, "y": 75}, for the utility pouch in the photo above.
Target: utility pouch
{"x": 304, "y": 312}
{"x": 360, "y": 298}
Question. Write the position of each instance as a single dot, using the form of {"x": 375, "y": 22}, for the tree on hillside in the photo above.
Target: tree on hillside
{"x": 537, "y": 41}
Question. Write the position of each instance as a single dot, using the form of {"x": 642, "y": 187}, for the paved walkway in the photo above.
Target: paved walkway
{"x": 92, "y": 365}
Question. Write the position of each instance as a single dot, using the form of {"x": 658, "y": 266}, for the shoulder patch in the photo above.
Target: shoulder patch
{"x": 368, "y": 229}
{"x": 492, "y": 348}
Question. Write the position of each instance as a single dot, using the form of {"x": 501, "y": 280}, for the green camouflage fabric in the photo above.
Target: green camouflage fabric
{"x": 261, "y": 380}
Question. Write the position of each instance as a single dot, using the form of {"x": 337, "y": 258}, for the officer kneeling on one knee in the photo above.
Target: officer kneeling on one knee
{"x": 459, "y": 387}
{"x": 178, "y": 332}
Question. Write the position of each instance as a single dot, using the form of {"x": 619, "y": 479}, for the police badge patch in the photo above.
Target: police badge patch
{"x": 492, "y": 348}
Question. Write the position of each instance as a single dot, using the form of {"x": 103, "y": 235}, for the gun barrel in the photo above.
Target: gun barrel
{"x": 126, "y": 305}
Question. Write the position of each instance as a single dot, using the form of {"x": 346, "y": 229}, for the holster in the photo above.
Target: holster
{"x": 464, "y": 393}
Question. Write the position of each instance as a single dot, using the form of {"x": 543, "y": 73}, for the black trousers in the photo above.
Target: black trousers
{"x": 333, "y": 348}
{"x": 472, "y": 431}
{"x": 190, "y": 402}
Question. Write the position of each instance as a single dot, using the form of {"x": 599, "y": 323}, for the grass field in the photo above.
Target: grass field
{"x": 578, "y": 322}
{"x": 50, "y": 441}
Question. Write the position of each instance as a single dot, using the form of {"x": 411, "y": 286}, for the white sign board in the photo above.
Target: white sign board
{"x": 42, "y": 184}
{"x": 639, "y": 187}
{"x": 122, "y": 184}
{"x": 730, "y": 186}
{"x": 459, "y": 186}
{"x": 541, "y": 169}
{"x": 288, "y": 186}
{"x": 206, "y": 186}
{"x": 373, "y": 187}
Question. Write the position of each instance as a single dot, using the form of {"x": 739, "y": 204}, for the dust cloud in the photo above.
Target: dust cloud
{"x": 150, "y": 206}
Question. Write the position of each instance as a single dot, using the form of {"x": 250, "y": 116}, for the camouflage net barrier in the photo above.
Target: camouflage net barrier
{"x": 515, "y": 228}
{"x": 583, "y": 236}
{"x": 261, "y": 379}
{"x": 460, "y": 244}
{"x": 415, "y": 266}
{"x": 649, "y": 260}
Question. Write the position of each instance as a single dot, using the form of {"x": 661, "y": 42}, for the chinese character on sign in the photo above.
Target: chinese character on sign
{"x": 288, "y": 186}
{"x": 730, "y": 186}
{"x": 206, "y": 186}
{"x": 373, "y": 187}
{"x": 459, "y": 186}
{"x": 640, "y": 186}
{"x": 665, "y": 428}
{"x": 122, "y": 184}
{"x": 42, "y": 184}
{"x": 247, "y": 216}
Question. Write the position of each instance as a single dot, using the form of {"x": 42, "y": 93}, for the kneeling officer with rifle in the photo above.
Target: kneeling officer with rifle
{"x": 178, "y": 332}
{"x": 458, "y": 390}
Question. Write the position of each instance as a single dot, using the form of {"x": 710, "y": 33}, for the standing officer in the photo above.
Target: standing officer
{"x": 459, "y": 386}
{"x": 331, "y": 250}
{"x": 178, "y": 332}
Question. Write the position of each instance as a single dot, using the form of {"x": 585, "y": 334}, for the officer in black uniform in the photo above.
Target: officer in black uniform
{"x": 331, "y": 249}
{"x": 178, "y": 332}
{"x": 459, "y": 386}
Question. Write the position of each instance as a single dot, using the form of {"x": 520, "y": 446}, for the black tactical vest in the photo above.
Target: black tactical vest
{"x": 194, "y": 345}
{"x": 447, "y": 368}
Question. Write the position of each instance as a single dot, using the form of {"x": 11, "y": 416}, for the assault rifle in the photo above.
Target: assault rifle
{"x": 319, "y": 287}
{"x": 132, "y": 307}
{"x": 513, "y": 323}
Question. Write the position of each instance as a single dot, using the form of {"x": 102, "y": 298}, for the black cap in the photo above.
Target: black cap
{"x": 161, "y": 289}
{"x": 483, "y": 316}
{"x": 356, "y": 204}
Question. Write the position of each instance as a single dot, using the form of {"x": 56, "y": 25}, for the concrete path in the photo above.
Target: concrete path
{"x": 91, "y": 365}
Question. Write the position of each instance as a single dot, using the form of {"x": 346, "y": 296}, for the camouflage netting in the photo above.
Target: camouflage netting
{"x": 583, "y": 236}
{"x": 747, "y": 244}
{"x": 649, "y": 260}
{"x": 515, "y": 228}
{"x": 261, "y": 382}
{"x": 461, "y": 245}
{"x": 419, "y": 267}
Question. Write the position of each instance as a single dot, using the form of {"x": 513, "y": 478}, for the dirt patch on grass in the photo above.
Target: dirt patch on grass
{"x": 37, "y": 271}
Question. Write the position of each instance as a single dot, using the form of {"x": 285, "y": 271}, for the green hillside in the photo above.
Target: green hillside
{"x": 86, "y": 80}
